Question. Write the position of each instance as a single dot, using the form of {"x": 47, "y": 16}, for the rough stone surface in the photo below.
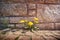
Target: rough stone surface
{"x": 48, "y": 13}
{"x": 30, "y": 1}
{"x": 16, "y": 9}
{"x": 24, "y": 38}
{"x": 35, "y": 38}
{"x": 19, "y": 25}
{"x": 4, "y": 20}
{"x": 46, "y": 26}
{"x": 37, "y": 35}
{"x": 16, "y": 19}
{"x": 35, "y": 1}
{"x": 32, "y": 12}
{"x": 40, "y": 9}
{"x": 13, "y": 1}
{"x": 58, "y": 1}
{"x": 52, "y": 11}
{"x": 51, "y": 1}
{"x": 57, "y": 26}
{"x": 30, "y": 18}
{"x": 31, "y": 6}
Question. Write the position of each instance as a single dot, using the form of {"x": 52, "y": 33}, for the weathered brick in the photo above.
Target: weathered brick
{"x": 16, "y": 9}
{"x": 30, "y": 1}
{"x": 35, "y": 1}
{"x": 30, "y": 18}
{"x": 40, "y": 12}
{"x": 20, "y": 9}
{"x": 13, "y": 1}
{"x": 57, "y": 26}
{"x": 39, "y": 1}
{"x": 32, "y": 12}
{"x": 48, "y": 26}
{"x": 48, "y": 13}
{"x": 31, "y": 6}
{"x": 58, "y": 1}
{"x": 6, "y": 9}
{"x": 52, "y": 12}
{"x": 16, "y": 19}
{"x": 11, "y": 25}
{"x": 19, "y": 25}
{"x": 50, "y": 1}
{"x": 4, "y": 20}
{"x": 23, "y": 1}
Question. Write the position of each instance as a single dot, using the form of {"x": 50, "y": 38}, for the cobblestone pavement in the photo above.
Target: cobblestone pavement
{"x": 27, "y": 35}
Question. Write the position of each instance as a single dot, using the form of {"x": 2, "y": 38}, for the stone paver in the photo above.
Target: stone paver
{"x": 35, "y": 35}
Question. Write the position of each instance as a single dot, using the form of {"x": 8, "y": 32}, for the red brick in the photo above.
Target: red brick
{"x": 58, "y": 1}
{"x": 23, "y": 1}
{"x": 19, "y": 25}
{"x": 6, "y": 10}
{"x": 52, "y": 13}
{"x": 20, "y": 9}
{"x": 31, "y": 6}
{"x": 16, "y": 9}
{"x": 30, "y": 18}
{"x": 32, "y": 12}
{"x": 13, "y": 1}
{"x": 48, "y": 26}
{"x": 16, "y": 19}
{"x": 40, "y": 10}
{"x": 57, "y": 26}
{"x": 50, "y": 1}
{"x": 35, "y": 1}
{"x": 43, "y": 17}
{"x": 48, "y": 13}
{"x": 30, "y": 1}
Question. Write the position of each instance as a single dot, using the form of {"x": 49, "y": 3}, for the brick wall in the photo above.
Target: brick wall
{"x": 48, "y": 12}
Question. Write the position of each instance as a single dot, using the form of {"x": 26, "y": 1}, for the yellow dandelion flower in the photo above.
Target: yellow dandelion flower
{"x": 22, "y": 21}
{"x": 36, "y": 19}
{"x": 30, "y": 23}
